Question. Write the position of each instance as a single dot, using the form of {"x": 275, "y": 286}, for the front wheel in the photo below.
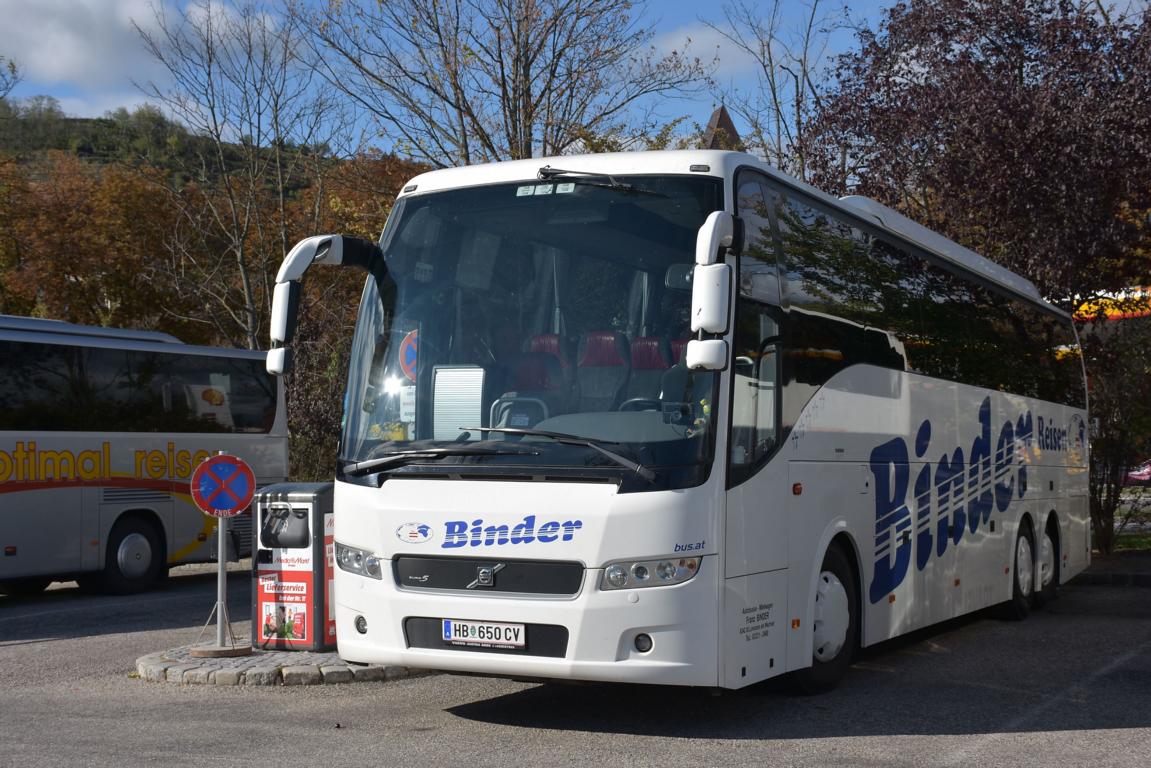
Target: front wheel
{"x": 134, "y": 558}
{"x": 835, "y": 627}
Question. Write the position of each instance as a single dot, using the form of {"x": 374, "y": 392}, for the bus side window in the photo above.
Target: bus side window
{"x": 755, "y": 402}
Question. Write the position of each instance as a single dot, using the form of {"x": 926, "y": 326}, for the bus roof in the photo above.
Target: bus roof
{"x": 724, "y": 164}
{"x": 34, "y": 329}
{"x": 41, "y": 325}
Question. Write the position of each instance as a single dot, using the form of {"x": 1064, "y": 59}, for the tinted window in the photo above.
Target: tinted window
{"x": 41, "y": 386}
{"x": 59, "y": 387}
{"x": 858, "y": 296}
{"x": 758, "y": 273}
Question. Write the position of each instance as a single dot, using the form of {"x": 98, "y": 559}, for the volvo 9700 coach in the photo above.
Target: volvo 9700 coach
{"x": 675, "y": 417}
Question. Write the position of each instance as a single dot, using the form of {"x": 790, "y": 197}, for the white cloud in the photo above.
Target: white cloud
{"x": 733, "y": 63}
{"x": 86, "y": 45}
{"x": 99, "y": 103}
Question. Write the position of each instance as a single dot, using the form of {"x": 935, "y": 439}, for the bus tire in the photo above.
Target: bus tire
{"x": 1048, "y": 564}
{"x": 1023, "y": 574}
{"x": 835, "y": 625}
{"x": 134, "y": 558}
{"x": 24, "y": 587}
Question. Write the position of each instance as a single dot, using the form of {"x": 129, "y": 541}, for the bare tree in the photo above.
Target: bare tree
{"x": 262, "y": 127}
{"x": 9, "y": 76}
{"x": 456, "y": 82}
{"x": 788, "y": 48}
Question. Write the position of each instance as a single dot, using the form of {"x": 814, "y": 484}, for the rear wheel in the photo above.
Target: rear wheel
{"x": 134, "y": 557}
{"x": 835, "y": 626}
{"x": 1048, "y": 560}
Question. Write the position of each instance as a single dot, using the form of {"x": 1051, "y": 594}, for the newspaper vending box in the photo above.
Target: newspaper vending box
{"x": 292, "y": 607}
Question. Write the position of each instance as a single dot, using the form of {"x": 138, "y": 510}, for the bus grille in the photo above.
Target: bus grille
{"x": 488, "y": 576}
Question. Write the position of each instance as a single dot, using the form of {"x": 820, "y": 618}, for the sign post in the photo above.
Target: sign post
{"x": 222, "y": 487}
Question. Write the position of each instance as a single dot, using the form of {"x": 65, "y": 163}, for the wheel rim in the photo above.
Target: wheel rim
{"x": 1046, "y": 560}
{"x": 134, "y": 555}
{"x": 1024, "y": 566}
{"x": 832, "y": 617}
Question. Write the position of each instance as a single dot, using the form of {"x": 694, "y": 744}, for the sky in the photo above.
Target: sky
{"x": 88, "y": 53}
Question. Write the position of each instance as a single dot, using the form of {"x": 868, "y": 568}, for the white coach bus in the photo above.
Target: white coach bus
{"x": 100, "y": 431}
{"x": 677, "y": 418}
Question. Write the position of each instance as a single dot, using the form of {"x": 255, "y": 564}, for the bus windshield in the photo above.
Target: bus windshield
{"x": 510, "y": 310}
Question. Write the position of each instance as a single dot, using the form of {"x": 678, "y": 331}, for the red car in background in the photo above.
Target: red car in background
{"x": 1140, "y": 475}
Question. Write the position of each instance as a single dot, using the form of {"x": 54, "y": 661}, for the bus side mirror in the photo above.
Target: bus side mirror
{"x": 717, "y": 232}
{"x": 710, "y": 298}
{"x": 706, "y": 355}
{"x": 336, "y": 250}
{"x": 279, "y": 361}
{"x": 285, "y": 306}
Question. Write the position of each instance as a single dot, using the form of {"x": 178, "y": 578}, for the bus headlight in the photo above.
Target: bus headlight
{"x": 632, "y": 574}
{"x": 615, "y": 576}
{"x": 358, "y": 561}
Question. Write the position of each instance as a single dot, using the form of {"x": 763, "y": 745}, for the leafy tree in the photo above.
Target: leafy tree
{"x": 457, "y": 82}
{"x": 14, "y": 202}
{"x": 1118, "y": 357}
{"x": 79, "y": 242}
{"x": 1022, "y": 130}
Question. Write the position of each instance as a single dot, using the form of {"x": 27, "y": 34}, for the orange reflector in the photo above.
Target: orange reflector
{"x": 9, "y": 551}
{"x": 957, "y": 582}
{"x": 94, "y": 542}
{"x": 202, "y": 536}
{"x": 796, "y": 489}
{"x": 795, "y": 623}
{"x": 891, "y": 598}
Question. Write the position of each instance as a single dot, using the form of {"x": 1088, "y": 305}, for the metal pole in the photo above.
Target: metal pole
{"x": 221, "y": 581}
{"x": 223, "y": 625}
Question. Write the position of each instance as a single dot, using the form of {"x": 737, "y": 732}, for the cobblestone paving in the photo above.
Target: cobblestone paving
{"x": 262, "y": 668}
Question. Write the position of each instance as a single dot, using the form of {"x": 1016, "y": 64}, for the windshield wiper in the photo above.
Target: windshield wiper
{"x": 406, "y": 457}
{"x": 561, "y": 437}
{"x": 547, "y": 173}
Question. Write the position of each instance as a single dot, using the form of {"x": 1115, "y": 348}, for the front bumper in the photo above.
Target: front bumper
{"x": 601, "y": 627}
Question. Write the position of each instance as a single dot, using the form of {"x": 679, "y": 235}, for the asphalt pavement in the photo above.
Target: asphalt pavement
{"x": 1067, "y": 687}
{"x": 271, "y": 667}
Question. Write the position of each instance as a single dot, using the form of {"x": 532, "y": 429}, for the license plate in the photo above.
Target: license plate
{"x": 483, "y": 634}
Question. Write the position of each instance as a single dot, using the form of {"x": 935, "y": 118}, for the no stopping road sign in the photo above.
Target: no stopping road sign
{"x": 223, "y": 486}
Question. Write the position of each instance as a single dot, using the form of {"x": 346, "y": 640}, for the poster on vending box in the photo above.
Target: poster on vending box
{"x": 284, "y": 600}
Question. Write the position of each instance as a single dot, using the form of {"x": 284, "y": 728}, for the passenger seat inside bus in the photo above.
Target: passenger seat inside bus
{"x": 603, "y": 370}
{"x": 541, "y": 385}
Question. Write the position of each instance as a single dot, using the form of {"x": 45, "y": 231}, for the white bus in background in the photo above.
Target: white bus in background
{"x": 678, "y": 418}
{"x": 100, "y": 431}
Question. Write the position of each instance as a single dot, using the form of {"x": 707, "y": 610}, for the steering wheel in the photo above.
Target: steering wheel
{"x": 640, "y": 404}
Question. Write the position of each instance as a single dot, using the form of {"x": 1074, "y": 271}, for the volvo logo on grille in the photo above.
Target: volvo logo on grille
{"x": 486, "y": 575}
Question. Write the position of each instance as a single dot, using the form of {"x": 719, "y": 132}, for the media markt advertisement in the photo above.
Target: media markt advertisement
{"x": 283, "y": 600}
{"x": 286, "y": 600}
